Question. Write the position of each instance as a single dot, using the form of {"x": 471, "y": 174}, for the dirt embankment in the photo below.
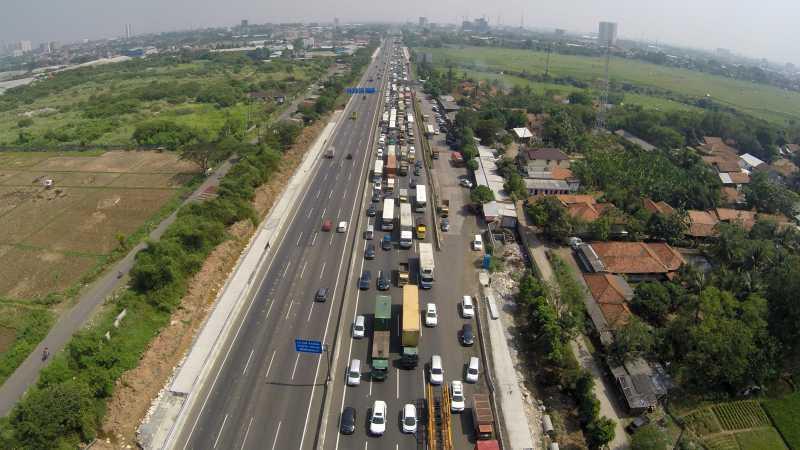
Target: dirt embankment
{"x": 136, "y": 389}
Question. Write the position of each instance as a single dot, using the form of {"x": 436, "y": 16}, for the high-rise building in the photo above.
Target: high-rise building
{"x": 244, "y": 26}
{"x": 423, "y": 21}
{"x": 23, "y": 46}
{"x": 607, "y": 34}
{"x": 336, "y": 22}
{"x": 560, "y": 32}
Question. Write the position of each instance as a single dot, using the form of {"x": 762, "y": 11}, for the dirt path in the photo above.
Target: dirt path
{"x": 136, "y": 389}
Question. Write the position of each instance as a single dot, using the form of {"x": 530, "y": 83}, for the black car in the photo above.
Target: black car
{"x": 417, "y": 171}
{"x": 363, "y": 282}
{"x": 348, "y": 420}
{"x": 418, "y": 163}
{"x": 369, "y": 253}
{"x": 466, "y": 336}
{"x": 371, "y": 211}
{"x": 383, "y": 281}
{"x": 322, "y": 295}
{"x": 412, "y": 183}
{"x": 376, "y": 197}
{"x": 386, "y": 243}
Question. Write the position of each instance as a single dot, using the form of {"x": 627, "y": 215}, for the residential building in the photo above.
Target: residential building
{"x": 611, "y": 294}
{"x": 537, "y": 160}
{"x": 502, "y": 210}
{"x": 641, "y": 384}
{"x": 702, "y": 224}
{"x": 423, "y": 21}
{"x": 607, "y": 33}
{"x": 523, "y": 135}
{"x": 639, "y": 261}
{"x": 538, "y": 186}
{"x": 654, "y": 207}
{"x": 749, "y": 162}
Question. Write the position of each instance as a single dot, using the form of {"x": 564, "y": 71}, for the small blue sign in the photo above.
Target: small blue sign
{"x": 304, "y": 346}
{"x": 487, "y": 261}
{"x": 360, "y": 90}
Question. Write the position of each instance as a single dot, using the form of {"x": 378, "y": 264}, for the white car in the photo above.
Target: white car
{"x": 377, "y": 422}
{"x": 342, "y": 227}
{"x": 431, "y": 316}
{"x": 457, "y": 402}
{"x": 466, "y": 183}
{"x": 467, "y": 308}
{"x": 380, "y": 153}
{"x": 359, "y": 328}
{"x": 472, "y": 370}
{"x": 437, "y": 371}
{"x": 409, "y": 418}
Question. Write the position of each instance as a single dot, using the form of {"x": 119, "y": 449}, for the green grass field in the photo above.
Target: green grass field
{"x": 785, "y": 414}
{"x": 763, "y": 101}
{"x": 65, "y": 107}
{"x": 509, "y": 81}
{"x": 766, "y": 439}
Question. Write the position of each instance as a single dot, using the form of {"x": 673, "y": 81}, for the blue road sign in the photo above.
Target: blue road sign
{"x": 304, "y": 346}
{"x": 360, "y": 90}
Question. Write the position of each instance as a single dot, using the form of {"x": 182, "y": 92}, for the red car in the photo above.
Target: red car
{"x": 327, "y": 225}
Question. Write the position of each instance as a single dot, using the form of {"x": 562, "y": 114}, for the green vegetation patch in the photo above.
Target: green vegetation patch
{"x": 785, "y": 414}
{"x": 21, "y": 329}
{"x": 740, "y": 415}
{"x": 767, "y": 102}
{"x": 703, "y": 422}
{"x": 765, "y": 439}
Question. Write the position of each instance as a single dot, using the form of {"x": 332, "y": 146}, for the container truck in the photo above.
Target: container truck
{"x": 380, "y": 337}
{"x": 411, "y": 323}
{"x": 426, "y": 265}
{"x": 391, "y": 165}
{"x": 420, "y": 198}
{"x": 387, "y": 220}
{"x": 482, "y": 417}
{"x": 406, "y": 225}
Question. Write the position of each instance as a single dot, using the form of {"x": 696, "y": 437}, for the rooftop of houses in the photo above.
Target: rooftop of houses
{"x": 751, "y": 160}
{"x": 784, "y": 167}
{"x": 654, "y": 207}
{"x": 523, "y": 133}
{"x": 556, "y": 173}
{"x": 734, "y": 178}
{"x": 548, "y": 154}
{"x": 612, "y": 294}
{"x": 637, "y": 257}
{"x": 702, "y": 223}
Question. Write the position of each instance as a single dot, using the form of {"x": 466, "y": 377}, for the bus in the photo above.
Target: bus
{"x": 421, "y": 199}
{"x": 387, "y": 220}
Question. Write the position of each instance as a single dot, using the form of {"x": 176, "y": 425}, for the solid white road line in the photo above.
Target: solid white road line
{"x": 295, "y": 365}
{"x": 322, "y": 271}
{"x": 323, "y": 212}
{"x": 248, "y": 361}
{"x": 291, "y": 303}
{"x": 314, "y": 240}
{"x": 276, "y": 435}
{"x": 319, "y": 191}
{"x": 330, "y": 194}
{"x": 310, "y": 310}
{"x": 269, "y": 367}
{"x": 216, "y": 441}
{"x": 298, "y": 238}
{"x": 310, "y": 210}
{"x": 244, "y": 441}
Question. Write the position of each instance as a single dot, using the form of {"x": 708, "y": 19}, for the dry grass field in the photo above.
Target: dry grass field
{"x": 53, "y": 236}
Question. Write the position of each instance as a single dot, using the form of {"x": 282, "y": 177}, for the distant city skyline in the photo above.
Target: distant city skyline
{"x": 755, "y": 29}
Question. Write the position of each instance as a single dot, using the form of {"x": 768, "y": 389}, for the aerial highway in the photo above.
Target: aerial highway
{"x": 263, "y": 394}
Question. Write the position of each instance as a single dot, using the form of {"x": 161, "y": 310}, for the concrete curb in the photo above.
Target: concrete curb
{"x": 189, "y": 378}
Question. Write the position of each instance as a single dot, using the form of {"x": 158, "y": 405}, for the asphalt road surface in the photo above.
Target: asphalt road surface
{"x": 262, "y": 394}
{"x": 454, "y": 277}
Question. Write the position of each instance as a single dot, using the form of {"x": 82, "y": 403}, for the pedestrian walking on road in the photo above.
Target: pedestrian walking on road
{"x": 45, "y": 353}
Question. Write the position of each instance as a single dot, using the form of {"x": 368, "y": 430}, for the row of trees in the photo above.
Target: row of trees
{"x": 547, "y": 331}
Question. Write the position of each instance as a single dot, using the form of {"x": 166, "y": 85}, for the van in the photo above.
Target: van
{"x": 437, "y": 372}
{"x": 354, "y": 373}
{"x": 472, "y": 370}
{"x": 359, "y": 327}
{"x": 370, "y": 233}
{"x": 477, "y": 243}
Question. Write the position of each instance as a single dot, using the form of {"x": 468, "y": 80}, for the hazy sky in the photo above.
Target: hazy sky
{"x": 763, "y": 28}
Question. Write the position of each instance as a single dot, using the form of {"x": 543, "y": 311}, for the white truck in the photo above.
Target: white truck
{"x": 377, "y": 173}
{"x": 387, "y": 219}
{"x": 406, "y": 226}
{"x": 426, "y": 265}
{"x": 420, "y": 200}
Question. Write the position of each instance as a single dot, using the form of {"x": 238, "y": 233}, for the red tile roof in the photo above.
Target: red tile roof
{"x": 746, "y": 218}
{"x": 702, "y": 223}
{"x": 661, "y": 207}
{"x": 612, "y": 294}
{"x": 638, "y": 257}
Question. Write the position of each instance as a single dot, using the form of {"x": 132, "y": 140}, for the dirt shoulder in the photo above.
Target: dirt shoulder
{"x": 136, "y": 389}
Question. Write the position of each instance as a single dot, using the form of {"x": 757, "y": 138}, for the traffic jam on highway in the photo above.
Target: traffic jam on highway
{"x": 413, "y": 375}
